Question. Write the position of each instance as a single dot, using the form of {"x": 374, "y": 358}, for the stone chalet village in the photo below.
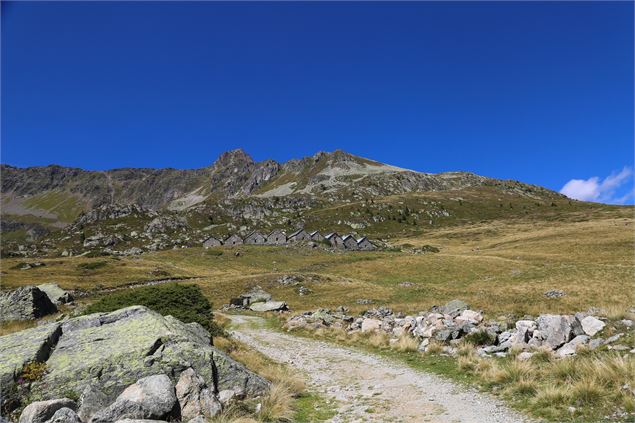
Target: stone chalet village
{"x": 278, "y": 237}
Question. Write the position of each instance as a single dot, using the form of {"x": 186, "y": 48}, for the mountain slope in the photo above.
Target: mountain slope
{"x": 327, "y": 191}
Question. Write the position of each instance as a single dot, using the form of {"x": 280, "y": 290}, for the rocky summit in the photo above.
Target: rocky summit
{"x": 131, "y": 363}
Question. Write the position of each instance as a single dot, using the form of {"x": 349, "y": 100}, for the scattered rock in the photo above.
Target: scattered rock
{"x": 592, "y": 325}
{"x": 256, "y": 295}
{"x": 363, "y": 301}
{"x": 56, "y": 294}
{"x": 269, "y": 306}
{"x": 555, "y": 330}
{"x": 371, "y": 325}
{"x": 41, "y": 411}
{"x": 571, "y": 347}
{"x": 64, "y": 415}
{"x": 25, "y": 303}
{"x": 454, "y": 308}
{"x": 554, "y": 293}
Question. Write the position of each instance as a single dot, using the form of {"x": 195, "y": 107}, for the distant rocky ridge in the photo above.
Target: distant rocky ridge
{"x": 234, "y": 194}
{"x": 234, "y": 174}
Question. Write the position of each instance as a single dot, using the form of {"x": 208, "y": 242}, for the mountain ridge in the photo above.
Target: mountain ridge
{"x": 39, "y": 199}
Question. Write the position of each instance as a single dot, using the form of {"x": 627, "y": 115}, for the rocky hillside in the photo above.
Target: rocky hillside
{"x": 327, "y": 191}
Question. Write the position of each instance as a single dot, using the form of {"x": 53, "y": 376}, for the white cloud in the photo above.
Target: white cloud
{"x": 600, "y": 190}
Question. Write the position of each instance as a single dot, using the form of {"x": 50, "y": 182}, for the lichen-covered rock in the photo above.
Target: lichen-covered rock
{"x": 56, "y": 294}
{"x": 25, "y": 303}
{"x": 195, "y": 397}
{"x": 64, "y": 415}
{"x": 41, "y": 411}
{"x": 20, "y": 348}
{"x": 233, "y": 375}
{"x": 111, "y": 351}
{"x": 151, "y": 397}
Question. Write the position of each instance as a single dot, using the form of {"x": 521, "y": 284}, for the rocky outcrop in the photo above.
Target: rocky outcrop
{"x": 99, "y": 356}
{"x": 56, "y": 294}
{"x": 25, "y": 303}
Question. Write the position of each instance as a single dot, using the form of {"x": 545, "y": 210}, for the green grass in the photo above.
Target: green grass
{"x": 185, "y": 302}
{"x": 311, "y": 407}
{"x": 65, "y": 206}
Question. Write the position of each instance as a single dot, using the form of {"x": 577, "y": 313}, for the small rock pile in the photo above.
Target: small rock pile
{"x": 256, "y": 299}
{"x": 453, "y": 321}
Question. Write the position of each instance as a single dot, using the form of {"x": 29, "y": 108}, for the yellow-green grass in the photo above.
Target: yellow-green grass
{"x": 65, "y": 206}
{"x": 497, "y": 267}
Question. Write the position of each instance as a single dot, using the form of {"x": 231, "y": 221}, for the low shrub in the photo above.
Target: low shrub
{"x": 185, "y": 302}
{"x": 33, "y": 371}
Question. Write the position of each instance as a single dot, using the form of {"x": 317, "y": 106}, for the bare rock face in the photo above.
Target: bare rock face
{"x": 25, "y": 303}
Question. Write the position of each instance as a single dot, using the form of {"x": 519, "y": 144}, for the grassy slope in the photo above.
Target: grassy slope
{"x": 497, "y": 266}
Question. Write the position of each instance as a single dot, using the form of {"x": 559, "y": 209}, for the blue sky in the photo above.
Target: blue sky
{"x": 540, "y": 92}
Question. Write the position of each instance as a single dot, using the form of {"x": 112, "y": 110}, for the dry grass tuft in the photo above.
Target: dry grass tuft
{"x": 434, "y": 347}
{"x": 379, "y": 339}
{"x": 277, "y": 404}
{"x": 405, "y": 343}
{"x": 551, "y": 396}
{"x": 588, "y": 391}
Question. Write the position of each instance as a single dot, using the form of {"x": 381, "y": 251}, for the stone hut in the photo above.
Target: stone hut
{"x": 365, "y": 245}
{"x": 256, "y": 238}
{"x": 233, "y": 240}
{"x": 277, "y": 237}
{"x": 350, "y": 243}
{"x": 335, "y": 240}
{"x": 212, "y": 242}
{"x": 316, "y": 236}
{"x": 299, "y": 235}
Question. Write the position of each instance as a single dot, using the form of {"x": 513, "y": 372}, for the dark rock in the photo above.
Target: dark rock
{"x": 25, "y": 303}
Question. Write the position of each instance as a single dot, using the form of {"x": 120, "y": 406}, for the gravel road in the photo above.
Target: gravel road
{"x": 369, "y": 388}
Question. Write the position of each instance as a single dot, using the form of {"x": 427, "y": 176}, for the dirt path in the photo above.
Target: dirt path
{"x": 369, "y": 388}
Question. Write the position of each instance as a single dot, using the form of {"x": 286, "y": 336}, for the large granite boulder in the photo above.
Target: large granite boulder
{"x": 106, "y": 352}
{"x": 56, "y": 294}
{"x": 25, "y": 303}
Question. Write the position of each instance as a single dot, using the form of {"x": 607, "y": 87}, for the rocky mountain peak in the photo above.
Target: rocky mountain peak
{"x": 237, "y": 158}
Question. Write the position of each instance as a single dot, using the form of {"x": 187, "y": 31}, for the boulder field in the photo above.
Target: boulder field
{"x": 132, "y": 363}
{"x": 450, "y": 323}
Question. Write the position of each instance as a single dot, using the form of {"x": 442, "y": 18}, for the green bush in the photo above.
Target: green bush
{"x": 185, "y": 302}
